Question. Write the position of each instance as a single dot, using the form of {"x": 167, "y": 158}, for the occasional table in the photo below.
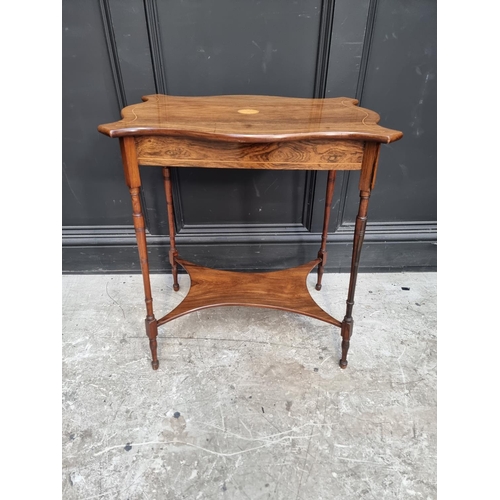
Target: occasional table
{"x": 249, "y": 132}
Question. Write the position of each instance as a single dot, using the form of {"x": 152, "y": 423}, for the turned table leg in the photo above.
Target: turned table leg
{"x": 172, "y": 254}
{"x": 366, "y": 183}
{"x": 330, "y": 185}
{"x": 359, "y": 233}
{"x": 133, "y": 180}
{"x": 151, "y": 326}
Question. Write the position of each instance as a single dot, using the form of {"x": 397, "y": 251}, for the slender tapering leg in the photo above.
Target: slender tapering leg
{"x": 366, "y": 183}
{"x": 330, "y": 185}
{"x": 133, "y": 180}
{"x": 359, "y": 234}
{"x": 151, "y": 326}
{"x": 172, "y": 254}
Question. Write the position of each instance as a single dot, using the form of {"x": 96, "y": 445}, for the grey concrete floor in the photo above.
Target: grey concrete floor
{"x": 249, "y": 403}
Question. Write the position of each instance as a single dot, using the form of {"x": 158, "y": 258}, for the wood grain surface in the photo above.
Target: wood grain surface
{"x": 285, "y": 290}
{"x": 246, "y": 118}
{"x": 250, "y": 132}
{"x": 291, "y": 155}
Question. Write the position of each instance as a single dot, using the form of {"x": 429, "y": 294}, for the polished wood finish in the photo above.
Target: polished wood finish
{"x": 133, "y": 181}
{"x": 172, "y": 254}
{"x": 322, "y": 254}
{"x": 366, "y": 183}
{"x": 130, "y": 164}
{"x": 290, "y": 155}
{"x": 278, "y": 119}
{"x": 250, "y": 132}
{"x": 151, "y": 326}
{"x": 285, "y": 290}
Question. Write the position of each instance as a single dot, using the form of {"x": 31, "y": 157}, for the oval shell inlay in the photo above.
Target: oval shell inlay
{"x": 247, "y": 111}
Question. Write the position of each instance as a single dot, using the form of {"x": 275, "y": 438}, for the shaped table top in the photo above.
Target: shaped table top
{"x": 250, "y": 118}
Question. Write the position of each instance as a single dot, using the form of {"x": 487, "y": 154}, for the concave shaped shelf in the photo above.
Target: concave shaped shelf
{"x": 285, "y": 290}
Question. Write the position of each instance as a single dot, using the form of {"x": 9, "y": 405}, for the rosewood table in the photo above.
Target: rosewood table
{"x": 250, "y": 132}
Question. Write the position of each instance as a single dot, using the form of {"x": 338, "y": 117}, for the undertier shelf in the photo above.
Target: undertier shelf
{"x": 285, "y": 290}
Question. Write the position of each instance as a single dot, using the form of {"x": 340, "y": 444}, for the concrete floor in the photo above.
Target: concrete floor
{"x": 249, "y": 403}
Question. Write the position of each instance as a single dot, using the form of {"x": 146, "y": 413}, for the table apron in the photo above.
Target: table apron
{"x": 284, "y": 155}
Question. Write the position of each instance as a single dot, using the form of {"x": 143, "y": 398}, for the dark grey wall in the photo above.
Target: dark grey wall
{"x": 381, "y": 52}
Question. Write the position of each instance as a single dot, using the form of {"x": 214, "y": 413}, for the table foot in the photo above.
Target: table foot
{"x": 345, "y": 348}
{"x": 346, "y": 332}
{"x": 152, "y": 333}
{"x": 321, "y": 268}
{"x": 174, "y": 273}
